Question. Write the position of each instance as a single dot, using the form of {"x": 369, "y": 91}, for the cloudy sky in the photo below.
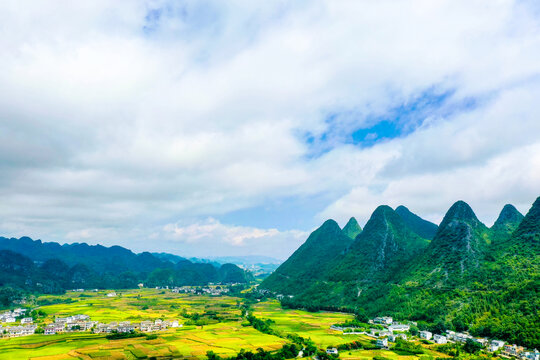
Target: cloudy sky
{"x": 208, "y": 128}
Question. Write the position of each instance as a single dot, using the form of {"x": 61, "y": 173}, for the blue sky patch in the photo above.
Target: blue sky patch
{"x": 366, "y": 130}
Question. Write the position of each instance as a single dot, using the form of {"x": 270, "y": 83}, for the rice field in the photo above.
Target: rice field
{"x": 308, "y": 325}
{"x": 225, "y": 338}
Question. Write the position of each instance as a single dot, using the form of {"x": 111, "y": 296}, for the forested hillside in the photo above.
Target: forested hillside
{"x": 31, "y": 265}
{"x": 468, "y": 277}
{"x": 311, "y": 261}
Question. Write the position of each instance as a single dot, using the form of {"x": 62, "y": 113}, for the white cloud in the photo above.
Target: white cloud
{"x": 211, "y": 234}
{"x": 111, "y": 121}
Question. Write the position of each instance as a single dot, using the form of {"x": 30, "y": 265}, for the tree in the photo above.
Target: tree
{"x": 8, "y": 295}
{"x": 472, "y": 347}
{"x": 361, "y": 316}
{"x": 212, "y": 355}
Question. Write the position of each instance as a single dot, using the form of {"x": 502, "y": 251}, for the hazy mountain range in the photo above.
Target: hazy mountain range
{"x": 48, "y": 267}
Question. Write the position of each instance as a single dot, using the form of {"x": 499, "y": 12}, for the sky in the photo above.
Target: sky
{"x": 214, "y": 128}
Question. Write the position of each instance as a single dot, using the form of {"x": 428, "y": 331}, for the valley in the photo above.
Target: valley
{"x": 220, "y": 327}
{"x": 401, "y": 288}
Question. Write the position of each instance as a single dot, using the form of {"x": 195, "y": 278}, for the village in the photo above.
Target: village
{"x": 75, "y": 323}
{"x": 385, "y": 331}
{"x": 208, "y": 290}
{"x": 389, "y": 331}
{"x": 211, "y": 289}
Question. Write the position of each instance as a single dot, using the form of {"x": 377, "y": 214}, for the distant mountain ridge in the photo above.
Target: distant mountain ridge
{"x": 449, "y": 276}
{"x": 114, "y": 258}
{"x": 246, "y": 259}
{"x": 50, "y": 267}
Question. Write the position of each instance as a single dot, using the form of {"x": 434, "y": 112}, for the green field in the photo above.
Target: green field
{"x": 225, "y": 336}
{"x": 308, "y": 325}
{"x": 137, "y": 305}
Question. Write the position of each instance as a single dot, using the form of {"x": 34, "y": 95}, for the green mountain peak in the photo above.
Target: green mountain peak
{"x": 352, "y": 229}
{"x": 421, "y": 227}
{"x": 384, "y": 245}
{"x": 528, "y": 230}
{"x": 458, "y": 247}
{"x": 508, "y": 220}
{"x": 459, "y": 211}
{"x": 310, "y": 261}
{"x": 329, "y": 225}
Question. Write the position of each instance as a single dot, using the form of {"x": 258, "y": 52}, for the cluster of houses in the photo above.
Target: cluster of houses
{"x": 78, "y": 323}
{"x": 520, "y": 352}
{"x": 11, "y": 316}
{"x": 16, "y": 331}
{"x": 70, "y": 323}
{"x": 213, "y": 291}
{"x": 26, "y": 326}
{"x": 83, "y": 323}
{"x": 144, "y": 326}
{"x": 492, "y": 346}
{"x": 392, "y": 331}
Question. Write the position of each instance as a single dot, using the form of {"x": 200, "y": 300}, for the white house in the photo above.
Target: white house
{"x": 21, "y": 330}
{"x": 496, "y": 345}
{"x": 425, "y": 335}
{"x": 83, "y": 325}
{"x": 382, "y": 343}
{"x": 61, "y": 320}
{"x": 125, "y": 328}
{"x": 460, "y": 337}
{"x": 531, "y": 355}
{"x": 480, "y": 341}
{"x": 146, "y": 326}
{"x": 512, "y": 350}
{"x": 29, "y": 330}
{"x": 111, "y": 294}
{"x": 384, "y": 320}
{"x": 332, "y": 351}
{"x": 394, "y": 337}
{"x": 19, "y": 312}
{"x": 15, "y": 331}
{"x": 440, "y": 339}
{"x": 27, "y": 320}
{"x": 52, "y": 329}
{"x": 399, "y": 327}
